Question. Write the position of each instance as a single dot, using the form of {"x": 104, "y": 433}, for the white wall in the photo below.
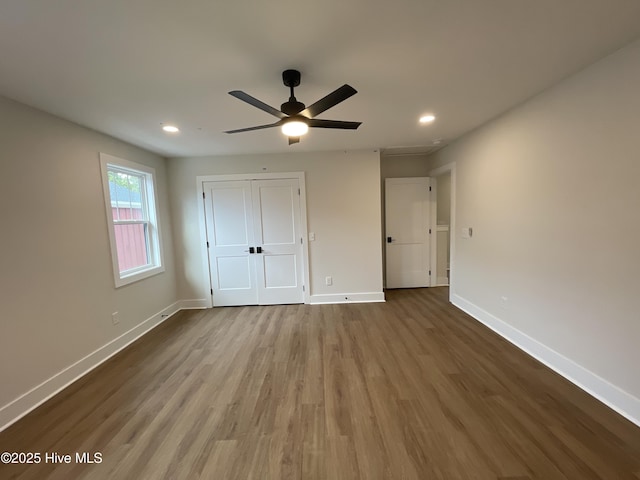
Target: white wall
{"x": 57, "y": 291}
{"x": 343, "y": 210}
{"x": 552, "y": 192}
{"x": 401, "y": 166}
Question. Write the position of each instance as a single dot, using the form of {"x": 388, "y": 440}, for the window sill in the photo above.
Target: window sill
{"x": 137, "y": 276}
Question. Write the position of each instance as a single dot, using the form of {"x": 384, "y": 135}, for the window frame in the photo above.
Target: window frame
{"x": 149, "y": 205}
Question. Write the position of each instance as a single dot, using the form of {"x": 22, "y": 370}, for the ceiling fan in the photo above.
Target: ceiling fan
{"x": 295, "y": 117}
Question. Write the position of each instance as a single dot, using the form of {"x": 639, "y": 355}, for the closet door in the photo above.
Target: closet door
{"x": 255, "y": 242}
{"x": 276, "y": 213}
{"x": 230, "y": 236}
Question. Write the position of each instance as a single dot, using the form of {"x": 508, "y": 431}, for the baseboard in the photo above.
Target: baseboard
{"x": 367, "y": 297}
{"x": 35, "y": 397}
{"x": 615, "y": 398}
{"x": 196, "y": 304}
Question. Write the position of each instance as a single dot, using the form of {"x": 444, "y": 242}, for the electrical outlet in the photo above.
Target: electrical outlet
{"x": 328, "y": 281}
{"x": 115, "y": 318}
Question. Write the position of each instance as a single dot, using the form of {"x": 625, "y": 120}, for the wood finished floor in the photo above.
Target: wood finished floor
{"x": 409, "y": 389}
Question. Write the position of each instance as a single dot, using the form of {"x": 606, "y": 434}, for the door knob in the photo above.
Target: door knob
{"x": 389, "y": 239}
{"x": 259, "y": 249}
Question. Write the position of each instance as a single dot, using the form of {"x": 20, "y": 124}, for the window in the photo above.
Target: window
{"x": 129, "y": 192}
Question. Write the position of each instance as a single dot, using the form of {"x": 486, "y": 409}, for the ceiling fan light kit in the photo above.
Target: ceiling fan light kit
{"x": 295, "y": 127}
{"x": 295, "y": 117}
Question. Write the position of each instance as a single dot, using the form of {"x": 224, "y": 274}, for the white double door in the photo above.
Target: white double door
{"x": 255, "y": 242}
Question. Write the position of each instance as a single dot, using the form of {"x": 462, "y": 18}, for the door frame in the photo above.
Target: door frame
{"x": 448, "y": 168}
{"x": 206, "y": 283}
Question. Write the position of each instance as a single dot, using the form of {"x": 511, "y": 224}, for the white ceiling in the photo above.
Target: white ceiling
{"x": 125, "y": 66}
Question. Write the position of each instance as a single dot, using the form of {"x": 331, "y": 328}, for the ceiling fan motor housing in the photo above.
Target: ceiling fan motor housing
{"x": 291, "y": 78}
{"x": 292, "y": 107}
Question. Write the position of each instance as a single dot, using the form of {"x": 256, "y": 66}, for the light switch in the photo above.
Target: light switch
{"x": 312, "y": 236}
{"x": 467, "y": 232}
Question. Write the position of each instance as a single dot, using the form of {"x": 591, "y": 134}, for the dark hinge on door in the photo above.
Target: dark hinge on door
{"x": 429, "y": 187}
{"x": 298, "y": 191}
{"x": 303, "y": 288}
{"x": 208, "y": 243}
{"x": 203, "y": 195}
{"x": 429, "y": 231}
{"x": 212, "y": 291}
{"x": 429, "y": 272}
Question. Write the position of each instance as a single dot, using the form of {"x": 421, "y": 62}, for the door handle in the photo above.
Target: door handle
{"x": 389, "y": 239}
{"x": 251, "y": 250}
{"x": 258, "y": 249}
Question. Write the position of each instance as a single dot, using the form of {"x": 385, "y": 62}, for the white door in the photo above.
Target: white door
{"x": 407, "y": 220}
{"x": 230, "y": 236}
{"x": 276, "y": 211}
{"x": 255, "y": 244}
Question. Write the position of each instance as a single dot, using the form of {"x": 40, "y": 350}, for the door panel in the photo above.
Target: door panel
{"x": 407, "y": 212}
{"x": 282, "y": 271}
{"x": 230, "y": 215}
{"x": 234, "y": 273}
{"x": 230, "y": 233}
{"x": 276, "y": 206}
{"x": 278, "y": 225}
{"x": 408, "y": 270}
{"x": 406, "y": 202}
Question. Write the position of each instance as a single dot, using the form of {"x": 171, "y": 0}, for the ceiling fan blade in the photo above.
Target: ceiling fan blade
{"x": 259, "y": 127}
{"x": 293, "y": 140}
{"x": 334, "y": 98}
{"x": 317, "y": 122}
{"x": 245, "y": 97}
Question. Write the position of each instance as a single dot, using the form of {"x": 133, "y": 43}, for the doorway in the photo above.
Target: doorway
{"x": 445, "y": 177}
{"x": 443, "y": 229}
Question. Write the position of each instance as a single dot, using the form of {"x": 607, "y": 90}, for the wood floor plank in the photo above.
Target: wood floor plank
{"x": 408, "y": 389}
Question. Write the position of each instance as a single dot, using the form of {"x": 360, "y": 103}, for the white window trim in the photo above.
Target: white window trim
{"x": 155, "y": 236}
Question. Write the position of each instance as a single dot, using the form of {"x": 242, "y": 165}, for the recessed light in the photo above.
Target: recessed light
{"x": 427, "y": 118}
{"x": 170, "y": 128}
